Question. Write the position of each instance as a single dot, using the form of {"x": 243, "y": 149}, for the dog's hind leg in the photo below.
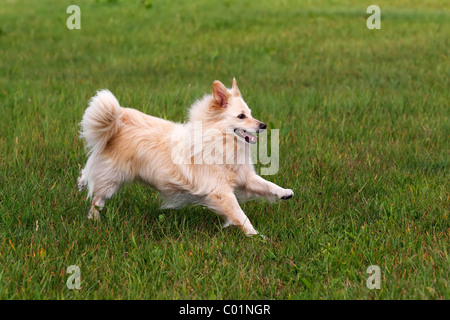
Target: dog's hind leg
{"x": 97, "y": 206}
{"x": 100, "y": 198}
{"x": 227, "y": 205}
{"x": 105, "y": 185}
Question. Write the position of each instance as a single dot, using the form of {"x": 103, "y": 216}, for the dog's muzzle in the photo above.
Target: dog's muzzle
{"x": 247, "y": 136}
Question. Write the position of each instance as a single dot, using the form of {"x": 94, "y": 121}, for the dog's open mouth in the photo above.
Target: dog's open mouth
{"x": 247, "y": 136}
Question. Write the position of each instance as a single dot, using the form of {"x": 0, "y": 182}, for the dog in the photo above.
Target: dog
{"x": 125, "y": 145}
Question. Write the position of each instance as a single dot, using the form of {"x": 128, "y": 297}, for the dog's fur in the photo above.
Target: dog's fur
{"x": 125, "y": 145}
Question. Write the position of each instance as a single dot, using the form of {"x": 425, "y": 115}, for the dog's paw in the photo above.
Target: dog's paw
{"x": 263, "y": 237}
{"x": 250, "y": 231}
{"x": 286, "y": 194}
{"x": 94, "y": 215}
{"x": 257, "y": 235}
{"x": 81, "y": 183}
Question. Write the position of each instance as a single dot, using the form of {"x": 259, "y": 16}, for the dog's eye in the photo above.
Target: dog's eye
{"x": 241, "y": 116}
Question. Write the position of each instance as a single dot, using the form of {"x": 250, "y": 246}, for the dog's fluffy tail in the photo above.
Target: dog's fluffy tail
{"x": 101, "y": 121}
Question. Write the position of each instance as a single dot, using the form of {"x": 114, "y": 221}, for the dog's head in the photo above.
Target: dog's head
{"x": 227, "y": 111}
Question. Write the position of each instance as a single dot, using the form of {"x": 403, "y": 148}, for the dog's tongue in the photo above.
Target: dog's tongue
{"x": 250, "y": 138}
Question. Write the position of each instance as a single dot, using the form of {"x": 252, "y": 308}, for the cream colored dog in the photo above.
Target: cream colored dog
{"x": 125, "y": 145}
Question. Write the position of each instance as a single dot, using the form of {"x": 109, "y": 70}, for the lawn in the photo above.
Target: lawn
{"x": 364, "y": 143}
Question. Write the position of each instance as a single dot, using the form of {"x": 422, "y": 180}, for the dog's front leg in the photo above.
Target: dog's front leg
{"x": 227, "y": 205}
{"x": 257, "y": 186}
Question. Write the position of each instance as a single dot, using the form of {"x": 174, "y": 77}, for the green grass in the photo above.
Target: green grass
{"x": 364, "y": 143}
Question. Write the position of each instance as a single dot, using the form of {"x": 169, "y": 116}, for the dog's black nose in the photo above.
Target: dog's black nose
{"x": 262, "y": 125}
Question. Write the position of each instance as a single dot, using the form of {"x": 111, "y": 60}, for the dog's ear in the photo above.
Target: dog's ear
{"x": 220, "y": 94}
{"x": 235, "y": 90}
